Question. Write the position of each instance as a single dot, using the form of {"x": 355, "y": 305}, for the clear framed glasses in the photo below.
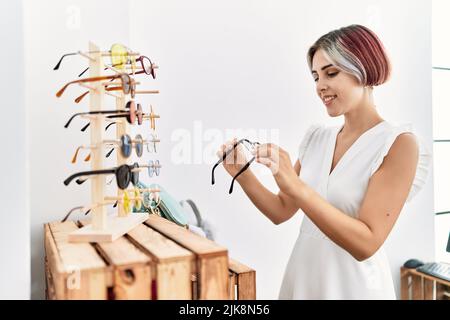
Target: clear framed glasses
{"x": 153, "y": 167}
{"x": 152, "y": 139}
{"x": 251, "y": 146}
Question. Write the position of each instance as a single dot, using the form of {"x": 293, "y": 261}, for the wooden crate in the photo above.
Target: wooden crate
{"x": 419, "y": 286}
{"x": 156, "y": 260}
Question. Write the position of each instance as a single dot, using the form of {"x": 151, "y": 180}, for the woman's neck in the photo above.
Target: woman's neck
{"x": 361, "y": 118}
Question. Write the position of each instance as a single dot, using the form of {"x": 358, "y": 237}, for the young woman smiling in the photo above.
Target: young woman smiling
{"x": 351, "y": 181}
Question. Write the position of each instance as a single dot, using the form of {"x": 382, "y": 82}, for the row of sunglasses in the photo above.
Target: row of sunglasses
{"x": 136, "y": 198}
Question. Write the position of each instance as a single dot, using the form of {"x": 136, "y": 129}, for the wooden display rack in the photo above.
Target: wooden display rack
{"x": 156, "y": 260}
{"x": 104, "y": 228}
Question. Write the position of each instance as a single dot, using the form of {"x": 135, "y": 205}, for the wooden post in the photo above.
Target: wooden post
{"x": 121, "y": 129}
{"x": 96, "y": 130}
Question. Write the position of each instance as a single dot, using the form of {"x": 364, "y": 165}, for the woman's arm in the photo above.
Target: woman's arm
{"x": 386, "y": 194}
{"x": 277, "y": 207}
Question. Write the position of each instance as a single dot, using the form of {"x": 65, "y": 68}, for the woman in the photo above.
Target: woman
{"x": 351, "y": 181}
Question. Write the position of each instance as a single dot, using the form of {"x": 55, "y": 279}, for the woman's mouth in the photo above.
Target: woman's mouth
{"x": 327, "y": 100}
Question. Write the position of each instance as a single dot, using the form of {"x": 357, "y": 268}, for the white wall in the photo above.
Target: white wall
{"x": 223, "y": 65}
{"x": 14, "y": 229}
{"x": 241, "y": 64}
{"x": 53, "y": 28}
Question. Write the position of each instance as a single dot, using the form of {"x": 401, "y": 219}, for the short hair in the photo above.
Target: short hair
{"x": 358, "y": 51}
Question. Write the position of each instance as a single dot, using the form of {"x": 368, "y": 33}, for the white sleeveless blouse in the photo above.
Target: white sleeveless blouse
{"x": 318, "y": 268}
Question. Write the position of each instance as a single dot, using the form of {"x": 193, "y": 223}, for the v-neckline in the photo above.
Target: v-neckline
{"x": 352, "y": 146}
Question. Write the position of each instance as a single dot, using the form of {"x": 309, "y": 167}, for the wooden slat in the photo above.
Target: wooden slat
{"x": 172, "y": 263}
{"x": 131, "y": 268}
{"x": 161, "y": 248}
{"x": 233, "y": 279}
{"x": 441, "y": 289}
{"x": 238, "y": 267}
{"x": 79, "y": 272}
{"x": 201, "y": 246}
{"x": 55, "y": 268}
{"x": 417, "y": 289}
{"x": 428, "y": 289}
{"x": 212, "y": 259}
{"x": 246, "y": 285}
{"x": 246, "y": 280}
{"x": 404, "y": 283}
{"x": 213, "y": 278}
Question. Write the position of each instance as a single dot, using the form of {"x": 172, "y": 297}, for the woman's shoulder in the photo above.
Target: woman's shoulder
{"x": 402, "y": 139}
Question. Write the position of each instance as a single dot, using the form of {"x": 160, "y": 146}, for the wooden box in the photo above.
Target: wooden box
{"x": 156, "y": 260}
{"x": 419, "y": 286}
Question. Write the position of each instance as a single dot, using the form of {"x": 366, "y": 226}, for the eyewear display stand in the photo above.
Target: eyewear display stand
{"x": 103, "y": 228}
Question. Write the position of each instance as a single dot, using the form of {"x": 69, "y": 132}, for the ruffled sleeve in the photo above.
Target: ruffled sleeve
{"x": 306, "y": 140}
{"x": 423, "y": 165}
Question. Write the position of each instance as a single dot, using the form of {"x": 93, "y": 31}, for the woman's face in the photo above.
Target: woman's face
{"x": 339, "y": 91}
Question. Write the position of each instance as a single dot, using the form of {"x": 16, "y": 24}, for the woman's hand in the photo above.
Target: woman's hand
{"x": 279, "y": 162}
{"x": 235, "y": 160}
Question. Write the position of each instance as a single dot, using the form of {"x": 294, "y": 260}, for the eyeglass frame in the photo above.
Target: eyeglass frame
{"x": 225, "y": 155}
{"x": 128, "y": 84}
{"x": 132, "y": 175}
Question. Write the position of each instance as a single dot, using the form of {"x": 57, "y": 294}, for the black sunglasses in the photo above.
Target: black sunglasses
{"x": 245, "y": 167}
{"x": 124, "y": 175}
{"x": 130, "y": 115}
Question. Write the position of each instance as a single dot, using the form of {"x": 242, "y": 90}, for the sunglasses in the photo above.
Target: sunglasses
{"x": 124, "y": 175}
{"x": 131, "y": 115}
{"x": 151, "y": 117}
{"x": 125, "y": 143}
{"x": 146, "y": 64}
{"x": 118, "y": 53}
{"x": 250, "y": 146}
{"x": 149, "y": 200}
{"x": 133, "y": 111}
{"x": 128, "y": 85}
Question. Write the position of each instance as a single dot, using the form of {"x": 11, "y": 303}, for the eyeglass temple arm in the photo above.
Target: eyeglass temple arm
{"x": 79, "y": 98}
{"x": 74, "y": 158}
{"x": 88, "y": 173}
{"x": 106, "y": 68}
{"x": 93, "y": 112}
{"x": 223, "y": 159}
{"x": 61, "y": 91}
{"x": 63, "y": 56}
{"x": 70, "y": 212}
{"x": 239, "y": 173}
{"x": 88, "y": 124}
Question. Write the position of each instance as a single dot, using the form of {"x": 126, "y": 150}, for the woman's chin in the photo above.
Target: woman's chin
{"x": 333, "y": 113}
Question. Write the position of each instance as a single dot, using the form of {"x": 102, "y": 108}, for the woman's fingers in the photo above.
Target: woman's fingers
{"x": 268, "y": 150}
{"x": 224, "y": 148}
{"x": 268, "y": 163}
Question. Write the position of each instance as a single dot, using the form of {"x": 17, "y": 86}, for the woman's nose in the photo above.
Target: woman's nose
{"x": 321, "y": 85}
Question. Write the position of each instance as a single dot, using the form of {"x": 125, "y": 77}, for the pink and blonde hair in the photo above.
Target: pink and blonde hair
{"x": 356, "y": 50}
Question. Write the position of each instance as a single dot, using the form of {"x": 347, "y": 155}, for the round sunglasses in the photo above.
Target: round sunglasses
{"x": 126, "y": 146}
{"x": 124, "y": 175}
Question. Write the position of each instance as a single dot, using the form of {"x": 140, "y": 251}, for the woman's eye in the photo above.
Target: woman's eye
{"x": 316, "y": 79}
{"x": 332, "y": 74}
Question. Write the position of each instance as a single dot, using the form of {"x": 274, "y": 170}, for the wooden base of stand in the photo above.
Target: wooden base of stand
{"x": 116, "y": 227}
